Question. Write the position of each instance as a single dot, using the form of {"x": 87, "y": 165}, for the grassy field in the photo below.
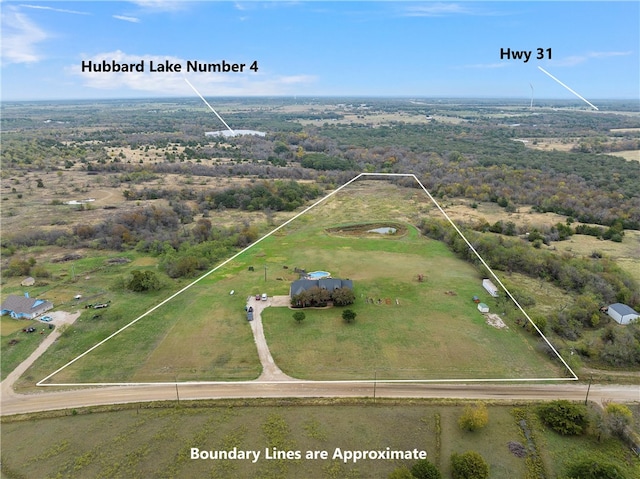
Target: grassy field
{"x": 155, "y": 440}
{"x": 16, "y": 344}
{"x": 429, "y": 330}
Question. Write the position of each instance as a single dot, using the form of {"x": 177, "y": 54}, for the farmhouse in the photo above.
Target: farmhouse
{"x": 621, "y": 313}
{"x": 24, "y": 307}
{"x": 330, "y": 284}
{"x": 490, "y": 287}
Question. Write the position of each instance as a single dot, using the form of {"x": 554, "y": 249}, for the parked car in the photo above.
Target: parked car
{"x": 264, "y": 296}
{"x": 46, "y": 319}
{"x": 258, "y": 297}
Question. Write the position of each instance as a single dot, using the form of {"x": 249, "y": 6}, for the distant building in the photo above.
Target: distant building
{"x": 24, "y": 307}
{"x": 490, "y": 287}
{"x": 621, "y": 313}
{"x": 229, "y": 133}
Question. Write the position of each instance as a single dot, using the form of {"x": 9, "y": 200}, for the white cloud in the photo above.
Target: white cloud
{"x": 126, "y": 19}
{"x": 436, "y": 10}
{"x": 441, "y": 9}
{"x": 160, "y": 83}
{"x": 20, "y": 37}
{"x": 486, "y": 65}
{"x": 161, "y": 5}
{"x": 51, "y": 9}
{"x": 578, "y": 59}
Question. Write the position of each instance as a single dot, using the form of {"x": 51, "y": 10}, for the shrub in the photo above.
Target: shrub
{"x": 617, "y": 418}
{"x": 469, "y": 465}
{"x": 474, "y": 417}
{"x": 564, "y": 417}
{"x": 401, "y": 473}
{"x": 592, "y": 469}
{"x": 423, "y": 469}
{"x": 349, "y": 315}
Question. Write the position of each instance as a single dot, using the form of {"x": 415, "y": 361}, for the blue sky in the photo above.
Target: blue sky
{"x": 313, "y": 48}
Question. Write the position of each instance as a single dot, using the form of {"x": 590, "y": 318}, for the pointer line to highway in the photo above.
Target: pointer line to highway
{"x": 572, "y": 91}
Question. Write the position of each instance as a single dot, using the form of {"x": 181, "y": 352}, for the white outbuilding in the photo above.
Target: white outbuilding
{"x": 621, "y": 313}
{"x": 483, "y": 308}
{"x": 490, "y": 287}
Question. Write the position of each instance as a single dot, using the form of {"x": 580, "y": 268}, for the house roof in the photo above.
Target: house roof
{"x": 329, "y": 284}
{"x": 22, "y": 304}
{"x": 301, "y": 285}
{"x": 622, "y": 309}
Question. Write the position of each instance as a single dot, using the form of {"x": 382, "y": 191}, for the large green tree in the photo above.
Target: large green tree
{"x": 144, "y": 281}
{"x": 343, "y": 297}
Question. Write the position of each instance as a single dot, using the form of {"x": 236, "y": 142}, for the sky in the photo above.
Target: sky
{"x": 315, "y": 48}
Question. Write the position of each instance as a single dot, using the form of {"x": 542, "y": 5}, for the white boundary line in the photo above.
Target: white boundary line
{"x": 405, "y": 175}
{"x": 575, "y": 93}
{"x": 210, "y": 107}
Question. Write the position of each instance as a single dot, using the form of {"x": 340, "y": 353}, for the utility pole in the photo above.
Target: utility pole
{"x": 588, "y": 388}
{"x": 265, "y": 273}
{"x": 375, "y": 380}
{"x": 177, "y": 393}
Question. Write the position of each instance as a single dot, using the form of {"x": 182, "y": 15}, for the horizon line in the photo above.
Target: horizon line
{"x": 327, "y": 96}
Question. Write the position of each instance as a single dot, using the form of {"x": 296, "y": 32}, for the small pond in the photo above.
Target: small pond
{"x": 387, "y": 230}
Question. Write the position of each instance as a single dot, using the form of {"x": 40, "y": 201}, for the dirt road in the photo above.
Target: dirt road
{"x": 16, "y": 404}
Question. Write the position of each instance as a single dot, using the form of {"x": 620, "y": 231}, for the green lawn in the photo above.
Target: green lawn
{"x": 17, "y": 345}
{"x": 425, "y": 334}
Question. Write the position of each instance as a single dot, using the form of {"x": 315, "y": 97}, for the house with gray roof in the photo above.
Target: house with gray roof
{"x": 24, "y": 307}
{"x": 622, "y": 314}
{"x": 330, "y": 284}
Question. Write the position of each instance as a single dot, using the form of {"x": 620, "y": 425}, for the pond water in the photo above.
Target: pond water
{"x": 387, "y": 230}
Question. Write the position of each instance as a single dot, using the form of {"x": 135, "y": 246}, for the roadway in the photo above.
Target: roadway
{"x": 13, "y": 403}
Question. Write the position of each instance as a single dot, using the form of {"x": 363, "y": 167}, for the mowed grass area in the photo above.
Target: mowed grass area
{"x": 433, "y": 331}
{"x": 155, "y": 440}
{"x": 201, "y": 334}
{"x": 420, "y": 330}
{"x": 17, "y": 345}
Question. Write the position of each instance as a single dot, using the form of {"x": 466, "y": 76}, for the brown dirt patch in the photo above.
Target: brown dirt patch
{"x": 495, "y": 321}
